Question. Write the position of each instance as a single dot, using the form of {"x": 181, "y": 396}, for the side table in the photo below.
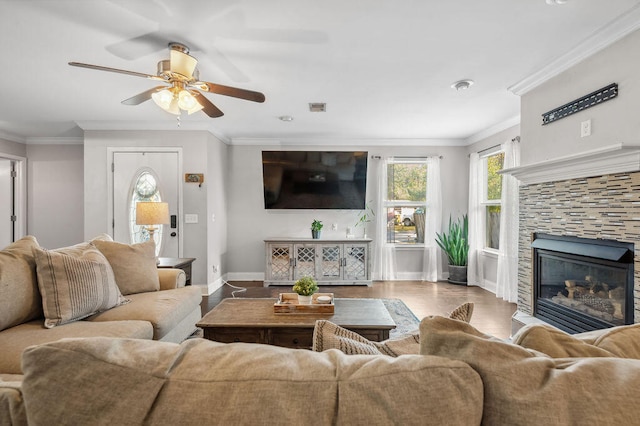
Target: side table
{"x": 178, "y": 263}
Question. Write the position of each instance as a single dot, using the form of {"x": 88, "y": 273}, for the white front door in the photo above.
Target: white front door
{"x": 6, "y": 202}
{"x": 164, "y": 166}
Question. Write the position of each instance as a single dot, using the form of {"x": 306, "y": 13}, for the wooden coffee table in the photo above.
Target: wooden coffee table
{"x": 253, "y": 321}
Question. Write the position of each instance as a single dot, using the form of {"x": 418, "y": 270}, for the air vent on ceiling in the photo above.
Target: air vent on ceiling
{"x": 317, "y": 107}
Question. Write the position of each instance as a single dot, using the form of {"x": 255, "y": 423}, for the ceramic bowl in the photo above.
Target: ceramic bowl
{"x": 324, "y": 299}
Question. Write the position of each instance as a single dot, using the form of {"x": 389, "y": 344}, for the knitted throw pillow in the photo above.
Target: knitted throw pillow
{"x": 462, "y": 312}
{"x": 327, "y": 335}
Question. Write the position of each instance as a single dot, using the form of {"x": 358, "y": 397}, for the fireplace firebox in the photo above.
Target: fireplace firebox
{"x": 582, "y": 284}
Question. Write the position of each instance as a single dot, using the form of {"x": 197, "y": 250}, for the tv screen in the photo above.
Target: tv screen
{"x": 314, "y": 179}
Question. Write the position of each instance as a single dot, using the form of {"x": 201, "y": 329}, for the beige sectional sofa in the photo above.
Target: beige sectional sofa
{"x": 96, "y": 288}
{"x": 460, "y": 377}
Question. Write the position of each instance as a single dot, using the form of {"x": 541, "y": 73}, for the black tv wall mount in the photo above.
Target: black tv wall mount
{"x": 587, "y": 101}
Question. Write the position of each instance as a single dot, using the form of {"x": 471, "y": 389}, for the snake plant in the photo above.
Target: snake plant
{"x": 455, "y": 243}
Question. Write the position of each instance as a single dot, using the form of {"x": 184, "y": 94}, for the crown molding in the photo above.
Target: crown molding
{"x": 616, "y": 158}
{"x": 346, "y": 142}
{"x": 164, "y": 125}
{"x": 55, "y": 141}
{"x": 496, "y": 128}
{"x": 11, "y": 137}
{"x": 625, "y": 24}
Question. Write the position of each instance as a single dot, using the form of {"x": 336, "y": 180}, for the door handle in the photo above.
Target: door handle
{"x": 174, "y": 222}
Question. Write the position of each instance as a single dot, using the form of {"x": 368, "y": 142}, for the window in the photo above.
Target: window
{"x": 405, "y": 205}
{"x": 492, "y": 184}
{"x": 144, "y": 188}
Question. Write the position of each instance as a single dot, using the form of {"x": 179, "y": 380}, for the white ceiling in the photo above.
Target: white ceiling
{"x": 383, "y": 67}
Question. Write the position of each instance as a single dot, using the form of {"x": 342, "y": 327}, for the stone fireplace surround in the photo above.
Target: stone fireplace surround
{"x": 595, "y": 194}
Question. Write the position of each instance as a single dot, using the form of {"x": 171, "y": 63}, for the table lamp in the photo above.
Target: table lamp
{"x": 150, "y": 214}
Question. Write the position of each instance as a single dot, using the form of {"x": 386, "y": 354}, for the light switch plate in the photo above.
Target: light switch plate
{"x": 191, "y": 218}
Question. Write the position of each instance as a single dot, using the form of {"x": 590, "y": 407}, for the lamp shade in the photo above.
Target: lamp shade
{"x": 152, "y": 213}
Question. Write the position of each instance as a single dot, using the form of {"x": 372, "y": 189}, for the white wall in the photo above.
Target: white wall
{"x": 490, "y": 260}
{"x": 250, "y": 223}
{"x": 611, "y": 122}
{"x": 55, "y": 194}
{"x": 198, "y": 241}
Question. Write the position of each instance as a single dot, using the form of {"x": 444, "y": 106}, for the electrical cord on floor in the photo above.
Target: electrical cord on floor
{"x": 238, "y": 289}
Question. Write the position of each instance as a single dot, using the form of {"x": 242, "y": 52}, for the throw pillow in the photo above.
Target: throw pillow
{"x": 73, "y": 288}
{"x": 463, "y": 312}
{"x": 327, "y": 335}
{"x": 523, "y": 386}
{"x": 134, "y": 266}
{"x": 621, "y": 342}
{"x": 19, "y": 297}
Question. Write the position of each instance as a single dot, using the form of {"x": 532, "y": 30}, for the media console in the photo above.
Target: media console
{"x": 329, "y": 261}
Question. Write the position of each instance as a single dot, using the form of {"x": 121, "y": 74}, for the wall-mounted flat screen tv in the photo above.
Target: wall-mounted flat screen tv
{"x": 314, "y": 179}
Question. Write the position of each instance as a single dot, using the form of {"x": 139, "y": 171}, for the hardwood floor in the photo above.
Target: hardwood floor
{"x": 491, "y": 315}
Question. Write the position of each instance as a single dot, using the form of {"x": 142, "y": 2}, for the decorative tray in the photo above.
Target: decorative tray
{"x": 287, "y": 303}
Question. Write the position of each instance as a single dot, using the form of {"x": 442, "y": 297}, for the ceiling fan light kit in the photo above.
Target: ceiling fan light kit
{"x": 181, "y": 72}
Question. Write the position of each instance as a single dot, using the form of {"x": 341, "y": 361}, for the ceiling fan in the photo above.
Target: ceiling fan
{"x": 183, "y": 92}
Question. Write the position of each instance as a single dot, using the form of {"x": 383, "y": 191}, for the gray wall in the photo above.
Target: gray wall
{"x": 13, "y": 148}
{"x": 55, "y": 200}
{"x": 611, "y": 122}
{"x": 201, "y": 153}
{"x": 250, "y": 223}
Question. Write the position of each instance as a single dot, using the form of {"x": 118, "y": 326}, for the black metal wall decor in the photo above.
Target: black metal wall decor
{"x": 594, "y": 98}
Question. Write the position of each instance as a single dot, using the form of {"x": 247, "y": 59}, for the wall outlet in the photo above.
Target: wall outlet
{"x": 585, "y": 128}
{"x": 216, "y": 268}
{"x": 334, "y": 227}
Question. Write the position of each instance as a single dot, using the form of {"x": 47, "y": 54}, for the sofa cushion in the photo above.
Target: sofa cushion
{"x": 12, "y": 410}
{"x": 72, "y": 287}
{"x": 15, "y": 340}
{"x": 163, "y": 309}
{"x": 19, "y": 297}
{"x": 133, "y": 265}
{"x": 622, "y": 341}
{"x": 121, "y": 381}
{"x": 523, "y": 386}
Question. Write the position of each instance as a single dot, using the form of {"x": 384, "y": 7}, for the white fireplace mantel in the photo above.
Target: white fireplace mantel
{"x": 617, "y": 158}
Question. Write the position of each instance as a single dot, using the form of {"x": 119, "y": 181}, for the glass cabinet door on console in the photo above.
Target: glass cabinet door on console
{"x": 338, "y": 262}
{"x": 279, "y": 262}
{"x": 304, "y": 262}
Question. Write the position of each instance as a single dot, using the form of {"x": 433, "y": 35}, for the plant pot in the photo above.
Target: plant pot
{"x": 457, "y": 275}
{"x": 315, "y": 234}
{"x": 304, "y": 300}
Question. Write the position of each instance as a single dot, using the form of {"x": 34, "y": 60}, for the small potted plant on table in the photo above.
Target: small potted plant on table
{"x": 316, "y": 227}
{"x": 305, "y": 287}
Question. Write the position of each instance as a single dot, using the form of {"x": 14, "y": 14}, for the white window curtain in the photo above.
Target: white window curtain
{"x": 507, "y": 278}
{"x": 384, "y": 253}
{"x": 432, "y": 258}
{"x": 476, "y": 238}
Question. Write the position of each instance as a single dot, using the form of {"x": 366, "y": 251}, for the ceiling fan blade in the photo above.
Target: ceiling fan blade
{"x": 207, "y": 107}
{"x": 235, "y": 92}
{"x": 142, "y": 97}
{"x": 101, "y": 68}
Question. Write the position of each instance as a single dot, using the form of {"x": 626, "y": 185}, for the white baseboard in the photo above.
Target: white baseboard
{"x": 245, "y": 276}
{"x": 489, "y": 286}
